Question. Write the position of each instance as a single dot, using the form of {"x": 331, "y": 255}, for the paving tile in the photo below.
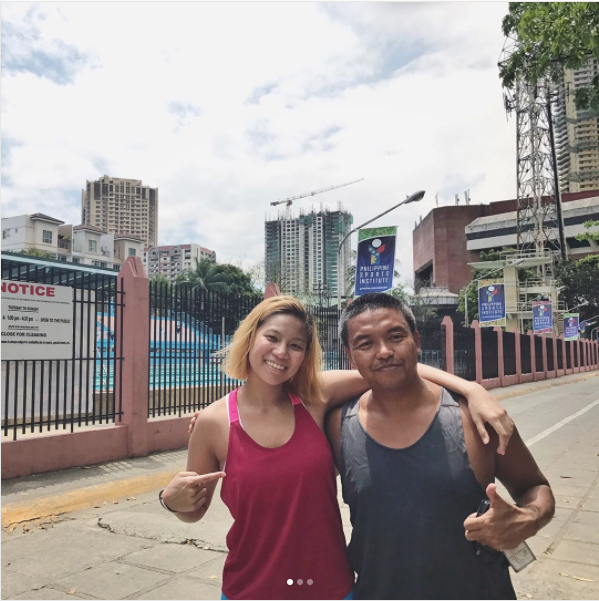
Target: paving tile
{"x": 47, "y": 593}
{"x": 184, "y": 588}
{"x": 111, "y": 581}
{"x": 566, "y": 502}
{"x": 585, "y": 527}
{"x": 591, "y": 505}
{"x": 576, "y": 551}
{"x": 212, "y": 568}
{"x": 14, "y": 583}
{"x": 171, "y": 557}
{"x": 561, "y": 490}
{"x": 53, "y": 554}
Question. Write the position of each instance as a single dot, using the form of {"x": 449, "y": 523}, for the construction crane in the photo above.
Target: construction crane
{"x": 289, "y": 201}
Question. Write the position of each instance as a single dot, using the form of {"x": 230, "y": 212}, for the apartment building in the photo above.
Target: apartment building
{"x": 83, "y": 244}
{"x": 302, "y": 253}
{"x": 170, "y": 261}
{"x": 122, "y": 207}
{"x": 577, "y": 133}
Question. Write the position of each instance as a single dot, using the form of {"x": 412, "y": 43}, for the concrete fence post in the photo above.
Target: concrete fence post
{"x": 533, "y": 355}
{"x": 554, "y": 350}
{"x": 518, "y": 356}
{"x": 478, "y": 351}
{"x": 500, "y": 362}
{"x": 447, "y": 324}
{"x": 135, "y": 363}
{"x": 544, "y": 351}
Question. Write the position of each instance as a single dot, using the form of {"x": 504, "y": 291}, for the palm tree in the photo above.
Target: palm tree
{"x": 206, "y": 275}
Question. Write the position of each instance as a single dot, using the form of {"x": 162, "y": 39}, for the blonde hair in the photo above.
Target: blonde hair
{"x": 305, "y": 384}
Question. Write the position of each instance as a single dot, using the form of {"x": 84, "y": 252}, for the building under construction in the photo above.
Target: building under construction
{"x": 302, "y": 253}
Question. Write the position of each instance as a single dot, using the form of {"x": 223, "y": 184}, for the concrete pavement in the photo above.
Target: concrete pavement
{"x": 99, "y": 533}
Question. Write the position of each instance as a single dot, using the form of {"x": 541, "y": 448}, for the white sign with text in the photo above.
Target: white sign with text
{"x": 36, "y": 321}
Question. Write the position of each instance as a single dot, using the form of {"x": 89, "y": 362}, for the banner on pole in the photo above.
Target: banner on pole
{"x": 491, "y": 303}
{"x": 571, "y": 326}
{"x": 375, "y": 260}
{"x": 542, "y": 317}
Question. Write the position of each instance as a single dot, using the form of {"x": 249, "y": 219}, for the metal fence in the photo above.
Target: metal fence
{"x": 509, "y": 353}
{"x": 432, "y": 344}
{"x": 46, "y": 394}
{"x": 525, "y": 354}
{"x": 188, "y": 327}
{"x": 464, "y": 353}
{"x": 327, "y": 324}
{"x": 490, "y": 354}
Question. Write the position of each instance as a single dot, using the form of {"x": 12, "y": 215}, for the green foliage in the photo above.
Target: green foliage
{"x": 552, "y": 36}
{"x": 206, "y": 275}
{"x": 36, "y": 252}
{"x": 588, "y": 235}
{"x": 581, "y": 281}
{"x": 239, "y": 282}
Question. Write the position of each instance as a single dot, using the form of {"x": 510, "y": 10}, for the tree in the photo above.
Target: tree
{"x": 588, "y": 235}
{"x": 552, "y": 36}
{"x": 239, "y": 282}
{"x": 206, "y": 275}
{"x": 581, "y": 281}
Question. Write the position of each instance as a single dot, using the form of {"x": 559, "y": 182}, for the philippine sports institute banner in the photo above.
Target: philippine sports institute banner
{"x": 491, "y": 303}
{"x": 542, "y": 317}
{"x": 375, "y": 260}
{"x": 571, "y": 326}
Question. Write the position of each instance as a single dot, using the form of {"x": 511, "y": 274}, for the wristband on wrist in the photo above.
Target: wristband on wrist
{"x": 163, "y": 503}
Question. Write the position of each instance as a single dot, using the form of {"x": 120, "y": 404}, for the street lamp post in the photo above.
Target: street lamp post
{"x": 512, "y": 264}
{"x": 341, "y": 280}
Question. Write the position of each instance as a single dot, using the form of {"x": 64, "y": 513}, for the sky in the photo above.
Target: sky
{"x": 227, "y": 106}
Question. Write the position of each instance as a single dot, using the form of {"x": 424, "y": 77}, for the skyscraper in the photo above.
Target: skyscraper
{"x": 121, "y": 206}
{"x": 302, "y": 253}
{"x": 577, "y": 133}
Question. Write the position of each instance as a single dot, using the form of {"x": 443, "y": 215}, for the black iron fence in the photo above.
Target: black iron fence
{"x": 432, "y": 344}
{"x": 509, "y": 353}
{"x": 188, "y": 328}
{"x": 45, "y": 394}
{"x": 490, "y": 353}
{"x": 464, "y": 352}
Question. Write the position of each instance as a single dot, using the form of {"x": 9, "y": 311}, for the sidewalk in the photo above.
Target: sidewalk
{"x": 98, "y": 532}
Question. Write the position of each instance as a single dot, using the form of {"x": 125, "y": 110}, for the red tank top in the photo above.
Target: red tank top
{"x": 287, "y": 524}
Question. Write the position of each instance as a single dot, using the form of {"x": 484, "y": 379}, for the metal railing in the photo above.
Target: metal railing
{"x": 45, "y": 394}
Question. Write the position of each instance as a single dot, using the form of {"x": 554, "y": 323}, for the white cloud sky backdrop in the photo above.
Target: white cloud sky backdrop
{"x": 229, "y": 106}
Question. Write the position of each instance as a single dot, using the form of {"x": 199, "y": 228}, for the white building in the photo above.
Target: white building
{"x": 170, "y": 261}
{"x": 82, "y": 244}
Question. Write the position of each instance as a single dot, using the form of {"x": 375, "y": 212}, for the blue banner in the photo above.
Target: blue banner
{"x": 571, "y": 326}
{"x": 491, "y": 303}
{"x": 542, "y": 317}
{"x": 375, "y": 260}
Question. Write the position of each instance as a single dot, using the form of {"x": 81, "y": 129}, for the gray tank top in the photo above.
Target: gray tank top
{"x": 407, "y": 509}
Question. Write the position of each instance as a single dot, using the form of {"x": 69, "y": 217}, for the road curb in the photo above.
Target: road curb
{"x": 82, "y": 498}
{"x": 544, "y": 384}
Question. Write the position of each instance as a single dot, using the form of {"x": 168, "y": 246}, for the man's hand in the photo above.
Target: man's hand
{"x": 503, "y": 526}
{"x": 484, "y": 408}
{"x": 186, "y": 492}
{"x": 192, "y": 423}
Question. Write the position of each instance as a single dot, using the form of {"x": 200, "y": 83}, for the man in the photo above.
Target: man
{"x": 414, "y": 471}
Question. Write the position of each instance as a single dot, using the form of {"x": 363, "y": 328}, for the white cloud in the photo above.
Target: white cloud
{"x": 228, "y": 106}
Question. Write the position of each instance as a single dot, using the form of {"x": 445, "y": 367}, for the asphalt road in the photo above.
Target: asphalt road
{"x": 99, "y": 533}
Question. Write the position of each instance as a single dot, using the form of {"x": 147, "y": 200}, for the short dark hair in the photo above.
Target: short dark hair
{"x": 371, "y": 302}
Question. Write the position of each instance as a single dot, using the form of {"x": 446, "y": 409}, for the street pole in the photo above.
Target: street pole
{"x": 512, "y": 264}
{"x": 341, "y": 280}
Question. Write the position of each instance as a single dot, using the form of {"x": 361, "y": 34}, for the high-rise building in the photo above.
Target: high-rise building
{"x": 302, "y": 253}
{"x": 170, "y": 261}
{"x": 577, "y": 133}
{"x": 122, "y": 207}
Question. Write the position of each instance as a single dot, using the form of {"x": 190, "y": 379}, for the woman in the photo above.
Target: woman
{"x": 280, "y": 478}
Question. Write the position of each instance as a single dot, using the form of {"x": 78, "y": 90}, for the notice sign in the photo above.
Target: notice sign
{"x": 491, "y": 303}
{"x": 36, "y": 321}
{"x": 375, "y": 260}
{"x": 542, "y": 317}
{"x": 571, "y": 326}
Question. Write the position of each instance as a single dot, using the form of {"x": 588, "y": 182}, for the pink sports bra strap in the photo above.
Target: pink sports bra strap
{"x": 232, "y": 405}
